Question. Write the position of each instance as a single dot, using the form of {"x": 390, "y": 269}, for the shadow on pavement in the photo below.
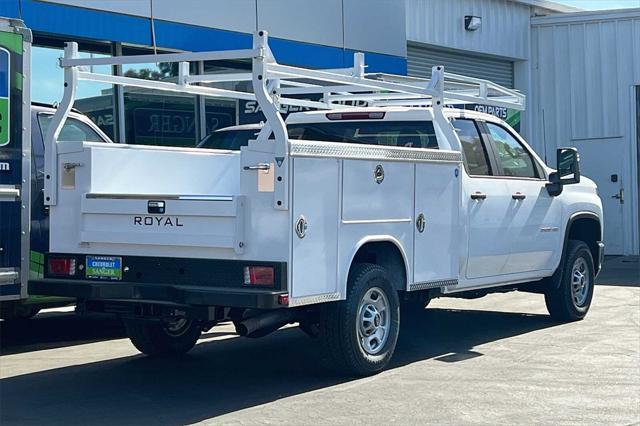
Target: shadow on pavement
{"x": 220, "y": 377}
{"x": 620, "y": 271}
{"x": 51, "y": 330}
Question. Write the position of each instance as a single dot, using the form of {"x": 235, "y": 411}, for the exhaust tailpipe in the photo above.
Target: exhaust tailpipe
{"x": 265, "y": 323}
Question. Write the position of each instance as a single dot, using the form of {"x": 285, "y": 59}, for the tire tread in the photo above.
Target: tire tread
{"x": 558, "y": 297}
{"x": 338, "y": 352}
{"x": 150, "y": 339}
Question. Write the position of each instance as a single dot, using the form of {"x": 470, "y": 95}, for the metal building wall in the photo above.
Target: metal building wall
{"x": 505, "y": 35}
{"x": 505, "y": 26}
{"x": 346, "y": 24}
{"x": 421, "y": 58}
{"x": 585, "y": 67}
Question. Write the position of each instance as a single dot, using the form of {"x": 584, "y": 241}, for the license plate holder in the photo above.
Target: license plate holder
{"x": 104, "y": 268}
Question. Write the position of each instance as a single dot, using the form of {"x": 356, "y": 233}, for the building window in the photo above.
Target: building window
{"x": 96, "y": 100}
{"x": 135, "y": 115}
{"x": 155, "y": 117}
{"x": 220, "y": 112}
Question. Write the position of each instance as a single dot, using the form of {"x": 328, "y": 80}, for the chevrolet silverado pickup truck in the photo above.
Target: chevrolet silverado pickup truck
{"x": 344, "y": 219}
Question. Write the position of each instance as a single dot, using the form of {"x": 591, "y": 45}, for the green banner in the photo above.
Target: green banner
{"x": 5, "y": 85}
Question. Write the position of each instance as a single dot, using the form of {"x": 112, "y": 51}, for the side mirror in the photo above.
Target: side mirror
{"x": 568, "y": 166}
{"x": 567, "y": 170}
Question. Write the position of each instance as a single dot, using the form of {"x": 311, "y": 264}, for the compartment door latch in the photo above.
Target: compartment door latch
{"x": 155, "y": 207}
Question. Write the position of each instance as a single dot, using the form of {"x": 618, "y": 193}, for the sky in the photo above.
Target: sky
{"x": 601, "y": 4}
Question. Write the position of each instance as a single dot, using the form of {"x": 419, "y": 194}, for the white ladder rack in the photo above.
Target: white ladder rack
{"x": 276, "y": 84}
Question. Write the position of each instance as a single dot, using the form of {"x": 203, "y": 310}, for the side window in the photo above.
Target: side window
{"x": 512, "y": 156}
{"x": 73, "y": 129}
{"x": 475, "y": 154}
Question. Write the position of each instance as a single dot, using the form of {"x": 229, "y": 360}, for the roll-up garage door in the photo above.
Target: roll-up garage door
{"x": 421, "y": 58}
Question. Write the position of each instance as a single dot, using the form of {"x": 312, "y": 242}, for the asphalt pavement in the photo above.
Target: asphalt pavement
{"x": 495, "y": 360}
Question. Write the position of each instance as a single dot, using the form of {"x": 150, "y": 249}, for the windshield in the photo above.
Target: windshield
{"x": 229, "y": 139}
{"x": 73, "y": 129}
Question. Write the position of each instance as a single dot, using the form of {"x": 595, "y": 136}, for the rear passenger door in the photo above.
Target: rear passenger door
{"x": 486, "y": 202}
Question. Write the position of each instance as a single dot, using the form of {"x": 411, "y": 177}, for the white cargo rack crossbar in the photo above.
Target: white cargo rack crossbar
{"x": 276, "y": 84}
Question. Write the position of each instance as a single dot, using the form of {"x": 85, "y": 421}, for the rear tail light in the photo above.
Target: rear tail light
{"x": 62, "y": 266}
{"x": 259, "y": 275}
{"x": 378, "y": 115}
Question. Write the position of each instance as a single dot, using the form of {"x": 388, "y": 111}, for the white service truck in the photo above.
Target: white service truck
{"x": 334, "y": 220}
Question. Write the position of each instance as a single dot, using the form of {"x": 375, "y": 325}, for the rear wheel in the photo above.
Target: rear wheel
{"x": 359, "y": 334}
{"x": 570, "y": 299}
{"x": 163, "y": 339}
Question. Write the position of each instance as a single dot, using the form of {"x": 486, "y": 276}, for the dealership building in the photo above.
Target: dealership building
{"x": 580, "y": 70}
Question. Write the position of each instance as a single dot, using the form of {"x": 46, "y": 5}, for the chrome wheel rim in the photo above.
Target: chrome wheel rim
{"x": 373, "y": 321}
{"x": 580, "y": 281}
{"x": 177, "y": 327}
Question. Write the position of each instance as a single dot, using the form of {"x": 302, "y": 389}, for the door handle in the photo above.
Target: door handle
{"x": 259, "y": 166}
{"x": 619, "y": 196}
{"x": 9, "y": 193}
{"x": 9, "y": 276}
{"x": 518, "y": 196}
{"x": 478, "y": 196}
{"x": 71, "y": 166}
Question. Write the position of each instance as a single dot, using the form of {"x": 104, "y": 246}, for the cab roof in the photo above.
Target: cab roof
{"x": 395, "y": 113}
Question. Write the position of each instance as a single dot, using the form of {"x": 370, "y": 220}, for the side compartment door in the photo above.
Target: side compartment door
{"x": 15, "y": 165}
{"x": 436, "y": 224}
{"x": 316, "y": 194}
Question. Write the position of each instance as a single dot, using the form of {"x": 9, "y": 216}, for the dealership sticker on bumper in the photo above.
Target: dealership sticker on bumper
{"x": 104, "y": 268}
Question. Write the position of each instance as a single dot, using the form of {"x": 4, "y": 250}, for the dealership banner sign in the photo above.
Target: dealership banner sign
{"x": 5, "y": 73}
{"x": 511, "y": 116}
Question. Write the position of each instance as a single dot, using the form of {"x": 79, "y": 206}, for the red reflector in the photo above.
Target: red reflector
{"x": 356, "y": 115}
{"x": 283, "y": 299}
{"x": 62, "y": 266}
{"x": 259, "y": 275}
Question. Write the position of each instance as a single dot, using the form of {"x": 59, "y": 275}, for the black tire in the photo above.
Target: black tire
{"x": 158, "y": 339}
{"x": 27, "y": 312}
{"x": 17, "y": 311}
{"x": 339, "y": 330}
{"x": 562, "y": 302}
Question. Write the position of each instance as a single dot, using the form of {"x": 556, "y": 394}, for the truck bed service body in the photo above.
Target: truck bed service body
{"x": 334, "y": 220}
